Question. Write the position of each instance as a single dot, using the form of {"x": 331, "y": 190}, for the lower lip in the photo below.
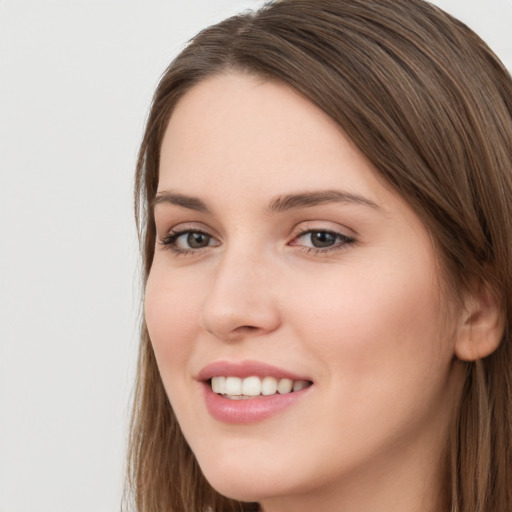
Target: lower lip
{"x": 251, "y": 410}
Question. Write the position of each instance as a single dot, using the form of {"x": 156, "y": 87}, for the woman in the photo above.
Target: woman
{"x": 323, "y": 197}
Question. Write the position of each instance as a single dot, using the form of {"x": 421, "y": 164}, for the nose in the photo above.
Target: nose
{"x": 241, "y": 301}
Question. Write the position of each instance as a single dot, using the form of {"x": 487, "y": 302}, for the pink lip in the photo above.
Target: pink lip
{"x": 245, "y": 369}
{"x": 252, "y": 410}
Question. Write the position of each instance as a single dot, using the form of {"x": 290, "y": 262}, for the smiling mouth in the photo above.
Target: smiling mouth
{"x": 235, "y": 388}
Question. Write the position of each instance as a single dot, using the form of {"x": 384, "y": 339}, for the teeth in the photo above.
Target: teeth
{"x": 300, "y": 384}
{"x": 233, "y": 386}
{"x": 268, "y": 386}
{"x": 239, "y": 389}
{"x": 284, "y": 386}
{"x": 251, "y": 386}
{"x": 219, "y": 385}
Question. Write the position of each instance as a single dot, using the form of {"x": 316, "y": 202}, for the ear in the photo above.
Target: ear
{"x": 482, "y": 324}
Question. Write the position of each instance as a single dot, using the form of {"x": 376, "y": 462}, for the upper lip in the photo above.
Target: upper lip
{"x": 243, "y": 369}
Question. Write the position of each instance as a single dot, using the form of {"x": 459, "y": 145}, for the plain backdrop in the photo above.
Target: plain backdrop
{"x": 76, "y": 79}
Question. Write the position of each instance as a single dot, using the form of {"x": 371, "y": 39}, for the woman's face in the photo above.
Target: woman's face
{"x": 281, "y": 257}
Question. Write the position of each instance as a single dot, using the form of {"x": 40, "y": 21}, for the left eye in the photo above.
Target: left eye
{"x": 195, "y": 240}
{"x": 189, "y": 240}
{"x": 322, "y": 239}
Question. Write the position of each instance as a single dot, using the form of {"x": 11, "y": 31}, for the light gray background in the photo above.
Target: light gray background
{"x": 76, "y": 79}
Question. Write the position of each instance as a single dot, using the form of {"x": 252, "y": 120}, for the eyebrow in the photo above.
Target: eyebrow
{"x": 189, "y": 202}
{"x": 315, "y": 198}
{"x": 279, "y": 204}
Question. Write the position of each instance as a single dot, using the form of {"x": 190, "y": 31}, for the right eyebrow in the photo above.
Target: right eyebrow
{"x": 189, "y": 202}
{"x": 313, "y": 198}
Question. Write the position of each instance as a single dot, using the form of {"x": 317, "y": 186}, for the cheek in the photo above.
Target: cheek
{"x": 375, "y": 337}
{"x": 171, "y": 315}
{"x": 375, "y": 323}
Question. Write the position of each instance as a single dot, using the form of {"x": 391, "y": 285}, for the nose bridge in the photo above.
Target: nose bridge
{"x": 240, "y": 300}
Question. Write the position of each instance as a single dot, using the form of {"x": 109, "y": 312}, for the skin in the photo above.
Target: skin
{"x": 366, "y": 320}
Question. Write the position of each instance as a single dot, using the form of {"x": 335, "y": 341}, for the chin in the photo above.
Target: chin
{"x": 241, "y": 488}
{"x": 247, "y": 483}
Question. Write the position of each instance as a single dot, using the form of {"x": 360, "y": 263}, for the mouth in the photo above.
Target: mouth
{"x": 236, "y": 388}
{"x": 249, "y": 391}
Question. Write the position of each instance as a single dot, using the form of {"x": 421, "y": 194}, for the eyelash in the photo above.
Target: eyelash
{"x": 169, "y": 241}
{"x": 341, "y": 241}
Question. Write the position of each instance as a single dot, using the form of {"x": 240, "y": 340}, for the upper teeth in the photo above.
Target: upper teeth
{"x": 254, "y": 386}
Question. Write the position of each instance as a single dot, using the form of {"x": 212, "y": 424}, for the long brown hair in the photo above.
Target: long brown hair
{"x": 430, "y": 106}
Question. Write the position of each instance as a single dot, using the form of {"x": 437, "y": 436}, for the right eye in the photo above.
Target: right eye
{"x": 186, "y": 241}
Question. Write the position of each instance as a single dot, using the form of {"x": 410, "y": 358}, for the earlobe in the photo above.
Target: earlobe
{"x": 482, "y": 324}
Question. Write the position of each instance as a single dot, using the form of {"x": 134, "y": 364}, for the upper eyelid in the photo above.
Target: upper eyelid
{"x": 332, "y": 227}
{"x": 185, "y": 227}
{"x": 299, "y": 229}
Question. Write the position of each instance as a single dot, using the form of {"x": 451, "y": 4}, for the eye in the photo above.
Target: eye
{"x": 185, "y": 241}
{"x": 321, "y": 240}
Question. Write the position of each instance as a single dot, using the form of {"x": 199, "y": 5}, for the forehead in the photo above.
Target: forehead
{"x": 250, "y": 132}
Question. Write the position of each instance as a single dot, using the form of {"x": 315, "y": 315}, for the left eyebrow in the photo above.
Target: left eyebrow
{"x": 315, "y": 198}
{"x": 189, "y": 202}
